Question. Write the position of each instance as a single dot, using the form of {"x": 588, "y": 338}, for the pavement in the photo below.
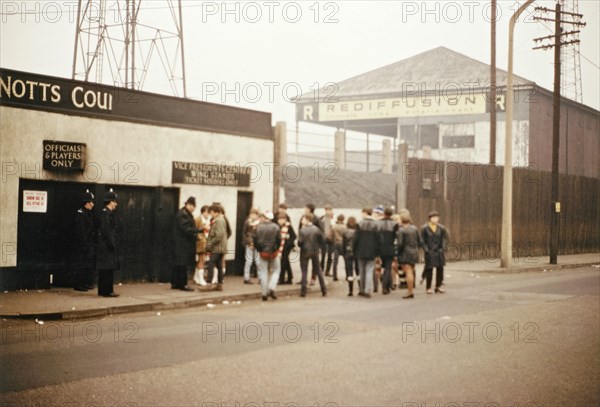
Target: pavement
{"x": 68, "y": 304}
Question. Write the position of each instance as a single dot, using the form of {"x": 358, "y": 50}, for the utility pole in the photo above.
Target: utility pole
{"x": 557, "y": 45}
{"x": 507, "y": 190}
{"x": 493, "y": 87}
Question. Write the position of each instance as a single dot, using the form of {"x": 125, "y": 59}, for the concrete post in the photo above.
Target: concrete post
{"x": 386, "y": 167}
{"x": 402, "y": 177}
{"x": 280, "y": 135}
{"x": 283, "y": 160}
{"x": 340, "y": 149}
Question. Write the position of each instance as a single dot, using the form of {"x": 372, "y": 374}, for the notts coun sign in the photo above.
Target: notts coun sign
{"x": 24, "y": 90}
{"x": 27, "y": 89}
{"x": 211, "y": 174}
{"x": 62, "y": 155}
{"x": 386, "y": 108}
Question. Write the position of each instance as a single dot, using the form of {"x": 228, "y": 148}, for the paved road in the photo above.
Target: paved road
{"x": 529, "y": 339}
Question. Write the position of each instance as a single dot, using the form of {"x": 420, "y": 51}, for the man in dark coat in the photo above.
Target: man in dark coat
{"x": 435, "y": 240}
{"x": 365, "y": 248}
{"x": 184, "y": 244}
{"x": 84, "y": 247}
{"x": 387, "y": 250}
{"x": 107, "y": 260}
{"x": 310, "y": 240}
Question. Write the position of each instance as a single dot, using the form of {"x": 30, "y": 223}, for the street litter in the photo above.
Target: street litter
{"x": 210, "y": 306}
{"x": 37, "y": 321}
{"x": 225, "y": 302}
{"x": 158, "y": 314}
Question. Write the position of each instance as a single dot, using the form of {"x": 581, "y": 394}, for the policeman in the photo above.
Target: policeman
{"x": 107, "y": 260}
{"x": 85, "y": 244}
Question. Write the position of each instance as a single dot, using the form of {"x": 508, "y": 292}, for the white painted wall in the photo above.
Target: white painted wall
{"x": 481, "y": 152}
{"x": 143, "y": 154}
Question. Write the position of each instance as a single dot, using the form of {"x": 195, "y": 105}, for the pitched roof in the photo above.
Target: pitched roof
{"x": 437, "y": 69}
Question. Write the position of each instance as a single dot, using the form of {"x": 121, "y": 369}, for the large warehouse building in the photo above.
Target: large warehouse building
{"x": 438, "y": 103}
{"x": 61, "y": 137}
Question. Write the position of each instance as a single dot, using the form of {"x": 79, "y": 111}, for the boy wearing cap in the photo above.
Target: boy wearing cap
{"x": 107, "y": 261}
{"x": 266, "y": 241}
{"x": 85, "y": 244}
{"x": 435, "y": 240}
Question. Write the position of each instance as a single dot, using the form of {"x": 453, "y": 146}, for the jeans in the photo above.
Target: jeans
{"x": 316, "y": 269}
{"x": 386, "y": 263}
{"x": 216, "y": 259}
{"x": 263, "y": 267}
{"x": 251, "y": 255}
{"x": 366, "y": 268}
{"x": 286, "y": 267}
{"x": 326, "y": 252}
{"x": 349, "y": 262}
{"x": 338, "y": 250}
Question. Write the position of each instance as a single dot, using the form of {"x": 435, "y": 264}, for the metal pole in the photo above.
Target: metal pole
{"x": 182, "y": 50}
{"x": 133, "y": 26}
{"x": 506, "y": 243}
{"x": 127, "y": 16}
{"x": 493, "y": 88}
{"x": 77, "y": 34}
{"x": 555, "y": 139}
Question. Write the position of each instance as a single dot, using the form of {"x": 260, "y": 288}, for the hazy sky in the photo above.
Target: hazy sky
{"x": 294, "y": 46}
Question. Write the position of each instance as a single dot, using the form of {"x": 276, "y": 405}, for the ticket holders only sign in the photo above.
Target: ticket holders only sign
{"x": 211, "y": 174}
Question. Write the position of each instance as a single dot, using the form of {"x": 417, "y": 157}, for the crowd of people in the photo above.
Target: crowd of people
{"x": 380, "y": 249}
{"x": 376, "y": 250}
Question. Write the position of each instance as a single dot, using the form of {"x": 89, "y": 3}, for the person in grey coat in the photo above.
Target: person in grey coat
{"x": 366, "y": 249}
{"x": 107, "y": 259}
{"x": 435, "y": 240}
{"x": 267, "y": 240}
{"x": 310, "y": 240}
{"x": 409, "y": 241}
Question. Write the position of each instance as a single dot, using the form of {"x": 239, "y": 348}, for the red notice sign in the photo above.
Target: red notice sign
{"x": 35, "y": 201}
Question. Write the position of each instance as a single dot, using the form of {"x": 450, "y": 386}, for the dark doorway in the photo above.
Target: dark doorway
{"x": 244, "y": 205}
{"x": 45, "y": 240}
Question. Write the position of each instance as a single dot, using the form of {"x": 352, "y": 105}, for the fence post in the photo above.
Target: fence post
{"x": 279, "y": 148}
{"x": 401, "y": 178}
{"x": 386, "y": 167}
{"x": 340, "y": 149}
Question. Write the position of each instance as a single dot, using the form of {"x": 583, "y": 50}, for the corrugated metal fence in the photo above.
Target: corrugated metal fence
{"x": 469, "y": 199}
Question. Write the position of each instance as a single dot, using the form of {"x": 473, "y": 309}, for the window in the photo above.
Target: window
{"x": 408, "y": 134}
{"x": 430, "y": 136}
{"x": 458, "y": 141}
{"x": 418, "y": 136}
